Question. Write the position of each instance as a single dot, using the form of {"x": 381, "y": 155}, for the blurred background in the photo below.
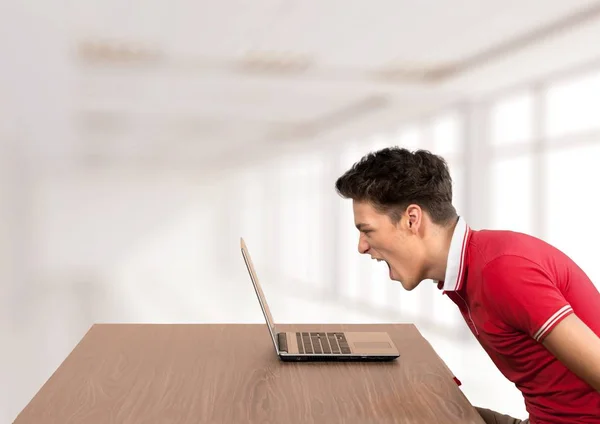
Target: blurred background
{"x": 140, "y": 140}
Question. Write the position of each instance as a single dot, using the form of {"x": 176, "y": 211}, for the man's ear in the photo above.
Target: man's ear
{"x": 414, "y": 215}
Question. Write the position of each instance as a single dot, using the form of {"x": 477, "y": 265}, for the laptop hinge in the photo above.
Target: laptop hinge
{"x": 282, "y": 340}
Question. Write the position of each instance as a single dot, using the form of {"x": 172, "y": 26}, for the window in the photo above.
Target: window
{"x": 573, "y": 204}
{"x": 511, "y": 119}
{"x": 512, "y": 194}
{"x": 457, "y": 173}
{"x": 251, "y": 208}
{"x": 447, "y": 134}
{"x": 570, "y": 110}
{"x": 300, "y": 223}
{"x": 349, "y": 259}
{"x": 573, "y": 105}
{"x": 510, "y": 172}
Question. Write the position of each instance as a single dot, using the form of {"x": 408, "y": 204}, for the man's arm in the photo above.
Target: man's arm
{"x": 525, "y": 297}
{"x": 577, "y": 347}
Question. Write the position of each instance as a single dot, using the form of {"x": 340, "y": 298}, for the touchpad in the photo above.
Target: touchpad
{"x": 372, "y": 345}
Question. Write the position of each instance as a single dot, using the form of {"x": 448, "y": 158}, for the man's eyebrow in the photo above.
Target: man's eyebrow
{"x": 361, "y": 226}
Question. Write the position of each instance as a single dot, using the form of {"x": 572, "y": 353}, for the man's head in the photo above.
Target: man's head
{"x": 402, "y": 203}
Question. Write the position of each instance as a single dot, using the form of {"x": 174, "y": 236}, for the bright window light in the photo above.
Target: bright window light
{"x": 572, "y": 200}
{"x": 512, "y": 194}
{"x": 512, "y": 119}
{"x": 572, "y": 106}
{"x": 447, "y": 134}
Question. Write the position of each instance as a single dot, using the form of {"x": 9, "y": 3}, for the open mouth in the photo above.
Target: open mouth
{"x": 380, "y": 260}
{"x": 386, "y": 262}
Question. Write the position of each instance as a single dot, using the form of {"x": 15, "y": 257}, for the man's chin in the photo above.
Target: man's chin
{"x": 409, "y": 285}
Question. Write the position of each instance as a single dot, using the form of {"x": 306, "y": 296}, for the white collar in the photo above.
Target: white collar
{"x": 455, "y": 267}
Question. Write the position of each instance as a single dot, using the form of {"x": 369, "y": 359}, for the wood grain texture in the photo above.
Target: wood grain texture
{"x": 229, "y": 373}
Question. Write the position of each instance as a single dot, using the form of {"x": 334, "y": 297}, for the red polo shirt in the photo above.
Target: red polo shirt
{"x": 512, "y": 290}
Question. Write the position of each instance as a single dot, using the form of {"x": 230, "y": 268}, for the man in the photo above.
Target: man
{"x": 532, "y": 309}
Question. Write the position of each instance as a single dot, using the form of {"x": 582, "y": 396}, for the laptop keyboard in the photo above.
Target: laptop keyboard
{"x": 322, "y": 343}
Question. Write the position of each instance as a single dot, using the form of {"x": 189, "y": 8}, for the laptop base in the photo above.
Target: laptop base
{"x": 337, "y": 346}
{"x": 334, "y": 358}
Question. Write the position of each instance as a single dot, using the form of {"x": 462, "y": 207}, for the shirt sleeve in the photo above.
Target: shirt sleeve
{"x": 523, "y": 295}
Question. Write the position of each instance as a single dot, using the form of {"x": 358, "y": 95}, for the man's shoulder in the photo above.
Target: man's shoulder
{"x": 505, "y": 237}
{"x": 508, "y": 253}
{"x": 505, "y": 252}
{"x": 487, "y": 245}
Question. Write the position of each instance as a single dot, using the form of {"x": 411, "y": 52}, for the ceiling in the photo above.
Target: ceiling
{"x": 199, "y": 82}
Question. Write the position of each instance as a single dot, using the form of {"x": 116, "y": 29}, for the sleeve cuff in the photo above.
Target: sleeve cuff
{"x": 557, "y": 317}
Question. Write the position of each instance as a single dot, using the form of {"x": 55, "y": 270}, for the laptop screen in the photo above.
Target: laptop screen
{"x": 259, "y": 292}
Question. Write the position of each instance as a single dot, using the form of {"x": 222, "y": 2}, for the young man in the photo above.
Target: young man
{"x": 532, "y": 309}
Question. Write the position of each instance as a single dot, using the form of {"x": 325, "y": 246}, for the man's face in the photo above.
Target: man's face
{"x": 399, "y": 245}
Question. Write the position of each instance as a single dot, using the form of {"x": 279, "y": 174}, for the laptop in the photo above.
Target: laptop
{"x": 318, "y": 345}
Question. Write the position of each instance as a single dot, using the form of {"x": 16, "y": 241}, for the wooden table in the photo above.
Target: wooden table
{"x": 229, "y": 373}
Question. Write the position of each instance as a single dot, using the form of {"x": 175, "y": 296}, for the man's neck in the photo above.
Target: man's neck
{"x": 440, "y": 249}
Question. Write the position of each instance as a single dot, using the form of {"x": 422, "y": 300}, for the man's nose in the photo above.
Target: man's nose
{"x": 363, "y": 246}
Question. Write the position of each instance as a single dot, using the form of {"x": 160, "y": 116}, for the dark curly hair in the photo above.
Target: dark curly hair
{"x": 393, "y": 178}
